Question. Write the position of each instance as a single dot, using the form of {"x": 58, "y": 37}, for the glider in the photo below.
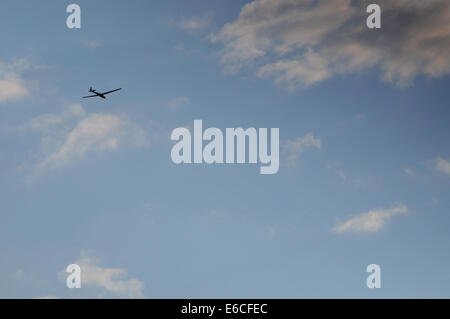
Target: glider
{"x": 102, "y": 95}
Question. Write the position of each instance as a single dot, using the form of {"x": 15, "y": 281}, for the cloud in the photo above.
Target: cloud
{"x": 302, "y": 42}
{"x": 290, "y": 73}
{"x": 111, "y": 280}
{"x": 96, "y": 132}
{"x": 370, "y": 222}
{"x": 12, "y": 89}
{"x": 47, "y": 297}
{"x": 194, "y": 24}
{"x": 443, "y": 166}
{"x": 295, "y": 147}
{"x": 12, "y": 85}
{"x": 72, "y": 134}
{"x": 50, "y": 122}
{"x": 178, "y": 102}
{"x": 353, "y": 179}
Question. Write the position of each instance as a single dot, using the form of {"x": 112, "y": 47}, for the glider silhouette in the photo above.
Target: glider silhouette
{"x": 102, "y": 95}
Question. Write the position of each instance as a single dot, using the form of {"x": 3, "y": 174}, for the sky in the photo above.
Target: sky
{"x": 364, "y": 172}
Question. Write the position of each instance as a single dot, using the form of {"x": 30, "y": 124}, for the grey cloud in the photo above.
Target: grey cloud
{"x": 302, "y": 42}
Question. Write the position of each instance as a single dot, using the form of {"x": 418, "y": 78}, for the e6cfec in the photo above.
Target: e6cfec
{"x": 246, "y": 308}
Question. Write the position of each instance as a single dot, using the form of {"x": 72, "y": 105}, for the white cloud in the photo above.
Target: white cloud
{"x": 178, "y": 102}
{"x": 112, "y": 280}
{"x": 47, "y": 297}
{"x": 94, "y": 133}
{"x": 370, "y": 222}
{"x": 12, "y": 85}
{"x": 295, "y": 147}
{"x": 443, "y": 166}
{"x": 302, "y": 42}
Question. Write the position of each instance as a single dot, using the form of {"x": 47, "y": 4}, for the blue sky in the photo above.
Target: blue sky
{"x": 364, "y": 165}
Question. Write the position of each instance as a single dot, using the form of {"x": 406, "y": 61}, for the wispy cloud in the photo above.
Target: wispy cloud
{"x": 51, "y": 122}
{"x": 371, "y": 221}
{"x": 299, "y": 43}
{"x": 354, "y": 180}
{"x": 442, "y": 166}
{"x": 295, "y": 147}
{"x": 96, "y": 132}
{"x": 176, "y": 103}
{"x": 72, "y": 134}
{"x": 194, "y": 24}
{"x": 111, "y": 280}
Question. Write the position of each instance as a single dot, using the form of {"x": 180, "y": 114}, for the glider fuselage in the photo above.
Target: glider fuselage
{"x": 98, "y": 94}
